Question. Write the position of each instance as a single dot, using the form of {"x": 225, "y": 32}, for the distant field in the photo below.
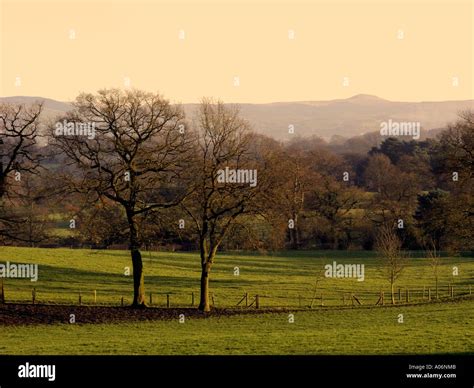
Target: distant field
{"x": 287, "y": 279}
{"x": 437, "y": 328}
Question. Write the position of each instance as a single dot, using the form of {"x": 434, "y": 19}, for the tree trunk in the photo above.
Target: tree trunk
{"x": 138, "y": 279}
{"x": 204, "y": 304}
{"x": 137, "y": 264}
{"x": 392, "y": 292}
{"x": 294, "y": 237}
{"x": 2, "y": 182}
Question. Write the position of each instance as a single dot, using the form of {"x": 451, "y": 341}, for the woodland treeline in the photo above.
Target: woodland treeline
{"x": 148, "y": 179}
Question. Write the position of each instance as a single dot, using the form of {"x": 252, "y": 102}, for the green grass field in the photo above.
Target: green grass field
{"x": 437, "y": 328}
{"x": 444, "y": 327}
{"x": 281, "y": 280}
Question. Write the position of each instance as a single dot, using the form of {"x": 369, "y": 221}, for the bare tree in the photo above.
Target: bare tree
{"x": 224, "y": 142}
{"x": 19, "y": 156}
{"x": 456, "y": 146}
{"x": 135, "y": 158}
{"x": 388, "y": 245}
{"x": 434, "y": 257}
{"x": 455, "y": 154}
{"x": 290, "y": 194}
{"x": 19, "y": 127}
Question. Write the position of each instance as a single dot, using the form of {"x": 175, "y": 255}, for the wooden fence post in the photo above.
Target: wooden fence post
{"x": 407, "y": 299}
{"x": 241, "y": 300}
{"x": 382, "y": 297}
{"x": 299, "y": 301}
{"x": 246, "y": 299}
{"x": 423, "y": 292}
{"x": 95, "y": 296}
{"x": 151, "y": 298}
{"x": 121, "y": 302}
{"x": 356, "y": 299}
{"x": 352, "y": 299}
{"x": 399, "y": 294}
{"x": 168, "y": 300}
{"x": 469, "y": 289}
{"x": 429, "y": 294}
{"x": 257, "y": 302}
{"x": 212, "y": 298}
{"x": 452, "y": 292}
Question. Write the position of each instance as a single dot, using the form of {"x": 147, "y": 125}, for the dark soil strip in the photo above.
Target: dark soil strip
{"x": 28, "y": 314}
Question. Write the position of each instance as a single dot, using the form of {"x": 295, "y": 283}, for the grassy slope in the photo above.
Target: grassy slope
{"x": 281, "y": 278}
{"x": 430, "y": 328}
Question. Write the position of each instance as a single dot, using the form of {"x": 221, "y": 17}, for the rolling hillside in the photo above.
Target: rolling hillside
{"x": 342, "y": 117}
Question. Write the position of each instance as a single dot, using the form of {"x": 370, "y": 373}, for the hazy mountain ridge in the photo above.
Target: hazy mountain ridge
{"x": 349, "y": 117}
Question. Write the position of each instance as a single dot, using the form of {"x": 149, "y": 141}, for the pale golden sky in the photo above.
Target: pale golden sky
{"x": 404, "y": 50}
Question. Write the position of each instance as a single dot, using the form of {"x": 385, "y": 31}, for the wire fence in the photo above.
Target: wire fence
{"x": 258, "y": 300}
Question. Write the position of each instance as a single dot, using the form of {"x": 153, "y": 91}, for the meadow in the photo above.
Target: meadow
{"x": 436, "y": 328}
{"x": 284, "y": 280}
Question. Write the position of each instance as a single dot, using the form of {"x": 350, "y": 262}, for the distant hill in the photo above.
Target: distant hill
{"x": 51, "y": 107}
{"x": 349, "y": 117}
